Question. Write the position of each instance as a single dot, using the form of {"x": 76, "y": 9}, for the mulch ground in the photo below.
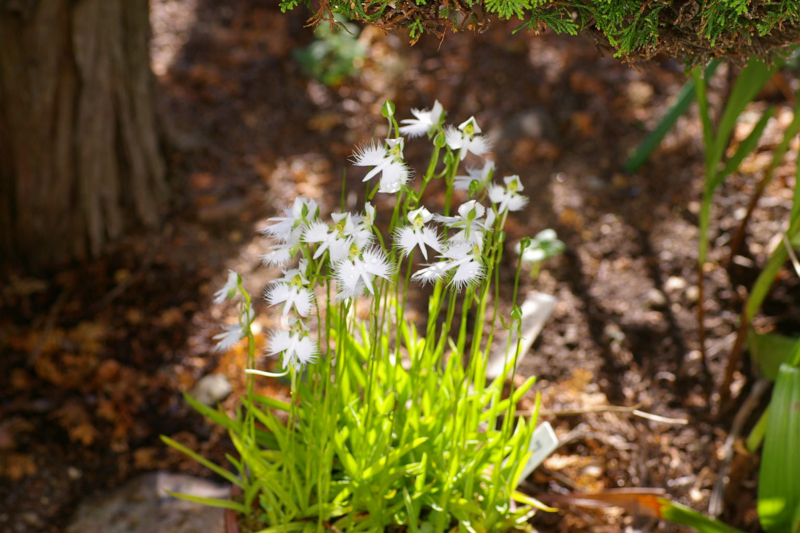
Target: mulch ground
{"x": 95, "y": 355}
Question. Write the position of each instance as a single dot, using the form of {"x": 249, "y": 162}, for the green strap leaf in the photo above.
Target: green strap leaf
{"x": 211, "y": 502}
{"x": 779, "y": 477}
{"x": 203, "y": 461}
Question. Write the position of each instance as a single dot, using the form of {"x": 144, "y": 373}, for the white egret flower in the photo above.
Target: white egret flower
{"x": 418, "y": 234}
{"x": 291, "y": 291}
{"x": 466, "y": 139}
{"x": 295, "y": 347}
{"x": 290, "y": 295}
{"x": 329, "y": 240}
{"x": 468, "y": 268}
{"x": 481, "y": 175}
{"x": 471, "y": 223}
{"x": 353, "y": 226}
{"x": 508, "y": 197}
{"x": 426, "y": 121}
{"x": 302, "y": 208}
{"x": 362, "y": 267}
{"x": 283, "y": 252}
{"x": 231, "y": 336}
{"x": 462, "y": 260}
{"x": 229, "y": 290}
{"x": 431, "y": 273}
{"x": 386, "y": 161}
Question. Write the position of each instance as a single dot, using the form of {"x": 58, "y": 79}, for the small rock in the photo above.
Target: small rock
{"x": 674, "y": 283}
{"x": 211, "y": 389}
{"x": 655, "y": 299}
{"x": 32, "y": 519}
{"x": 693, "y": 293}
{"x": 143, "y": 506}
{"x": 571, "y": 336}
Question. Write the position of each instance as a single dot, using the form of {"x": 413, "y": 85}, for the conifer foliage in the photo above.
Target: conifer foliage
{"x": 695, "y": 30}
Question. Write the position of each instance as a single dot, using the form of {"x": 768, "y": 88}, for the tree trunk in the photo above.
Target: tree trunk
{"x": 79, "y": 153}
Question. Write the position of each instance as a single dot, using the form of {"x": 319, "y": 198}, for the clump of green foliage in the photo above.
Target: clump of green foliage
{"x": 637, "y": 29}
{"x": 333, "y": 55}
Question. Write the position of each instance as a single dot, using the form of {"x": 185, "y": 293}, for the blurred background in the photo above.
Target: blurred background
{"x": 126, "y": 204}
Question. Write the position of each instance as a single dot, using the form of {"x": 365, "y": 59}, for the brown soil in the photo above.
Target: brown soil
{"x": 96, "y": 355}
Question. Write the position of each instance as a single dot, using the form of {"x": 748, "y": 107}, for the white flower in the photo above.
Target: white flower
{"x": 426, "y": 121}
{"x": 231, "y": 336}
{"x": 418, "y": 234}
{"x": 293, "y": 295}
{"x": 466, "y": 139}
{"x": 296, "y": 275}
{"x": 459, "y": 258}
{"x": 353, "y": 226}
{"x": 296, "y": 347}
{"x": 481, "y": 175}
{"x": 508, "y": 197}
{"x": 329, "y": 240}
{"x": 369, "y": 217}
{"x": 468, "y": 271}
{"x": 302, "y": 208}
{"x": 545, "y": 245}
{"x": 362, "y": 269}
{"x": 229, "y": 290}
{"x": 283, "y": 252}
{"x": 468, "y": 267}
{"x": 388, "y": 161}
{"x": 431, "y": 273}
{"x": 470, "y": 222}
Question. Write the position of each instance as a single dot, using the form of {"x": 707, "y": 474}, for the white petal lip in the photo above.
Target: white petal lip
{"x": 457, "y": 140}
{"x": 431, "y": 273}
{"x": 297, "y": 348}
{"x": 350, "y": 273}
{"x": 407, "y": 239}
{"x": 478, "y": 145}
{"x": 232, "y": 283}
{"x": 279, "y": 256}
{"x": 424, "y": 121}
{"x": 369, "y": 155}
{"x": 517, "y": 202}
{"x": 415, "y": 128}
{"x": 453, "y": 137}
{"x": 231, "y": 336}
{"x": 296, "y": 297}
{"x": 395, "y": 175}
{"x": 467, "y": 273}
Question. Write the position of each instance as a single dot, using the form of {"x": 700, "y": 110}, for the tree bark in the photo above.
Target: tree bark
{"x": 79, "y": 154}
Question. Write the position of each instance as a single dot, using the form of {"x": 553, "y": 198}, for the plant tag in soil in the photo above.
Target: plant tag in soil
{"x": 543, "y": 443}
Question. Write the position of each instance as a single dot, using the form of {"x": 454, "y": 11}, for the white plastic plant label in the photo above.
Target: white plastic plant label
{"x": 543, "y": 443}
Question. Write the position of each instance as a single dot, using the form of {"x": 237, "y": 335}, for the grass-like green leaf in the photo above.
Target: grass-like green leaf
{"x": 779, "y": 477}
{"x": 203, "y": 461}
{"x": 211, "y": 502}
{"x": 770, "y": 350}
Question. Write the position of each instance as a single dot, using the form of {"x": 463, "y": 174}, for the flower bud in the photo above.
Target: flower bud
{"x": 387, "y": 109}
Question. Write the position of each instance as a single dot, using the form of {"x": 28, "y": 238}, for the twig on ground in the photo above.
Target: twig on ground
{"x": 733, "y": 361}
{"x": 715, "y": 503}
{"x": 634, "y": 410}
